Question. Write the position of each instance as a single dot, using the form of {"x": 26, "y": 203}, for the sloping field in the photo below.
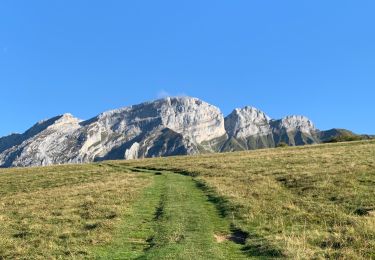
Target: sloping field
{"x": 60, "y": 212}
{"x": 305, "y": 202}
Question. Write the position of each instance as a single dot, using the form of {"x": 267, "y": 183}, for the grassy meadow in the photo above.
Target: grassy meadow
{"x": 63, "y": 211}
{"x": 301, "y": 202}
{"x": 312, "y": 202}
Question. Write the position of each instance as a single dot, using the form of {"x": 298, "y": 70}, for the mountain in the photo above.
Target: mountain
{"x": 171, "y": 126}
{"x": 165, "y": 127}
{"x": 295, "y": 130}
{"x": 248, "y": 128}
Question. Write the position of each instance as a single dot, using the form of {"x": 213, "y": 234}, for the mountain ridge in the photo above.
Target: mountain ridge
{"x": 164, "y": 127}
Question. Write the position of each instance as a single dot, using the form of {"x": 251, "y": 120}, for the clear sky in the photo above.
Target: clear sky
{"x": 315, "y": 58}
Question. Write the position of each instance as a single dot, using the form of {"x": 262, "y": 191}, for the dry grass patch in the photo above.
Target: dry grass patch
{"x": 60, "y": 212}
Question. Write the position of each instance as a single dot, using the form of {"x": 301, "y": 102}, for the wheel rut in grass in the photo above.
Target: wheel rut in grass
{"x": 186, "y": 222}
{"x": 176, "y": 219}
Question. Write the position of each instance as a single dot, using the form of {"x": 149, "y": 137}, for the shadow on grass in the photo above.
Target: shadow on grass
{"x": 222, "y": 205}
{"x": 238, "y": 236}
{"x": 178, "y": 171}
{"x": 253, "y": 244}
{"x": 260, "y": 247}
{"x": 159, "y": 212}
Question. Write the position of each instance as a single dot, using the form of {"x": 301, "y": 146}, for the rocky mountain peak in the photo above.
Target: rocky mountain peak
{"x": 192, "y": 117}
{"x": 247, "y": 121}
{"x": 252, "y": 113}
{"x": 67, "y": 119}
{"x": 188, "y": 116}
{"x": 300, "y": 123}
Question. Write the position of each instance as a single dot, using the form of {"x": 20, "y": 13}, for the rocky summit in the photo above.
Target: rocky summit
{"x": 165, "y": 127}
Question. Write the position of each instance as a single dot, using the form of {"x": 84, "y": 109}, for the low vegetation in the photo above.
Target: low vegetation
{"x": 307, "y": 202}
{"x": 282, "y": 144}
{"x": 346, "y": 138}
{"x": 63, "y": 211}
{"x": 301, "y": 202}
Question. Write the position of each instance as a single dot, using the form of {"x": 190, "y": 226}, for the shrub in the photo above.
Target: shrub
{"x": 345, "y": 138}
{"x": 282, "y": 144}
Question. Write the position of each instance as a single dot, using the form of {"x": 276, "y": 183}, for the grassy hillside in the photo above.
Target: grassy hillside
{"x": 304, "y": 202}
{"x": 62, "y": 211}
{"x": 301, "y": 202}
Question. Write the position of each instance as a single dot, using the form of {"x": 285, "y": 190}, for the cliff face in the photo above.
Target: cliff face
{"x": 51, "y": 142}
{"x": 248, "y": 128}
{"x": 295, "y": 130}
{"x": 170, "y": 126}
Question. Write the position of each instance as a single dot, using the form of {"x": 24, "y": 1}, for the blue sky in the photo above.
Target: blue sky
{"x": 315, "y": 58}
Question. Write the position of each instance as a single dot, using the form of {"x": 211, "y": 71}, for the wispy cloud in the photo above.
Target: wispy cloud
{"x": 163, "y": 94}
{"x": 182, "y": 94}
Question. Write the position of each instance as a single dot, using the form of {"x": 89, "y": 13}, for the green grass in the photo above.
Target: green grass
{"x": 173, "y": 220}
{"x": 131, "y": 239}
{"x": 309, "y": 202}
